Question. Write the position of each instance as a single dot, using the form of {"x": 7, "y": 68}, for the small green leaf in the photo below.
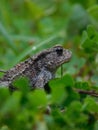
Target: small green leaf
{"x": 12, "y": 104}
{"x": 74, "y": 114}
{"x": 58, "y": 88}
{"x": 4, "y": 95}
{"x": 90, "y": 40}
{"x": 22, "y": 83}
{"x": 82, "y": 85}
{"x": 91, "y": 31}
{"x": 67, "y": 80}
{"x": 37, "y": 98}
{"x": 90, "y": 105}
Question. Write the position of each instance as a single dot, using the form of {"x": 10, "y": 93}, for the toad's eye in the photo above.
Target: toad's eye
{"x": 59, "y": 51}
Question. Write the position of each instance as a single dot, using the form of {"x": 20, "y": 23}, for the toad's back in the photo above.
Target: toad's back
{"x": 39, "y": 68}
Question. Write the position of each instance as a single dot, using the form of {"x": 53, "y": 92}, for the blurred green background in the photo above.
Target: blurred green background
{"x": 29, "y": 26}
{"x": 25, "y": 24}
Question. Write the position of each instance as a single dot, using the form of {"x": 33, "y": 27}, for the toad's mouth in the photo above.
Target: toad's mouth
{"x": 68, "y": 56}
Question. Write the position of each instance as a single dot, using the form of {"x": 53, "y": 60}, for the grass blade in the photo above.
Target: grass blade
{"x": 34, "y": 48}
{"x": 7, "y": 37}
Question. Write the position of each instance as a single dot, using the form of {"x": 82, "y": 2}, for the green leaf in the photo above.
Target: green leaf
{"x": 93, "y": 10}
{"x": 74, "y": 114}
{"x": 34, "y": 48}
{"x": 4, "y": 95}
{"x": 37, "y": 98}
{"x": 91, "y": 31}
{"x": 67, "y": 80}
{"x": 11, "y": 105}
{"x": 82, "y": 85}
{"x": 58, "y": 88}
{"x": 90, "y": 40}
{"x": 90, "y": 105}
{"x": 22, "y": 83}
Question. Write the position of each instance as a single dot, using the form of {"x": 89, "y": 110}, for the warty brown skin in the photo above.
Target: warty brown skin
{"x": 39, "y": 69}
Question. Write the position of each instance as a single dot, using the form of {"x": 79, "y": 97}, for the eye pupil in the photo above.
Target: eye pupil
{"x": 59, "y": 51}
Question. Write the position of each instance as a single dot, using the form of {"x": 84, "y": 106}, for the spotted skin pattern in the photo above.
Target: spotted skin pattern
{"x": 39, "y": 69}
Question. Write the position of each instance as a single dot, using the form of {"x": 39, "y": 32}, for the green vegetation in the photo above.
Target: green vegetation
{"x": 29, "y": 26}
